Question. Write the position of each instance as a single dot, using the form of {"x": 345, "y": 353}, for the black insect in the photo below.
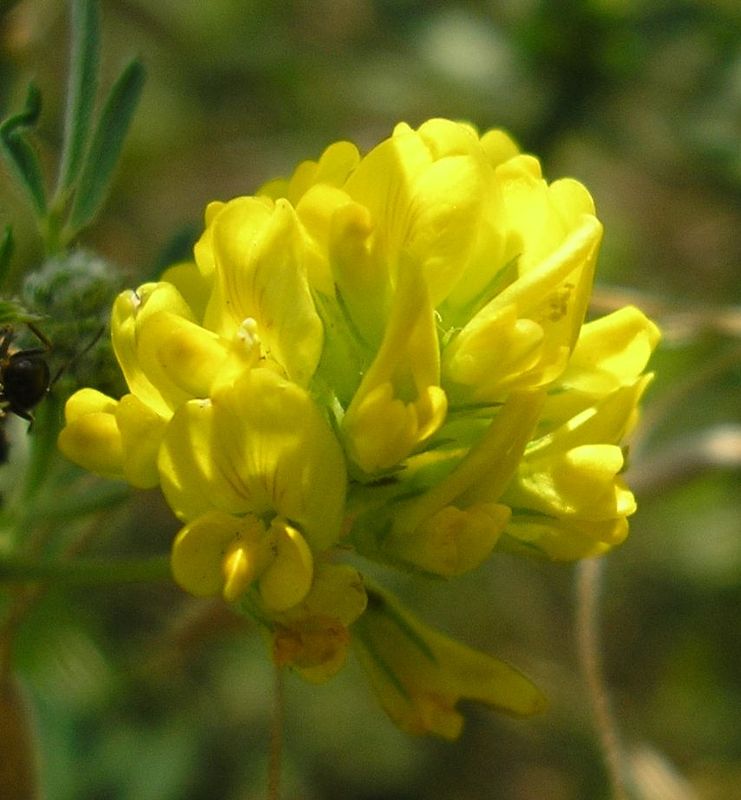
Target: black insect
{"x": 25, "y": 378}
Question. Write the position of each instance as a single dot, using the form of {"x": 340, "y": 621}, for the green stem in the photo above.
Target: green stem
{"x": 42, "y": 446}
{"x": 85, "y": 572}
{"x": 276, "y": 734}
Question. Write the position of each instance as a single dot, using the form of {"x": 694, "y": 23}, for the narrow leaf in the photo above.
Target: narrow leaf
{"x": 30, "y": 114}
{"x": 106, "y": 145}
{"x": 20, "y": 157}
{"x": 82, "y": 87}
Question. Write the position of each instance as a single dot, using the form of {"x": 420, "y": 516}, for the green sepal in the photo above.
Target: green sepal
{"x": 12, "y": 313}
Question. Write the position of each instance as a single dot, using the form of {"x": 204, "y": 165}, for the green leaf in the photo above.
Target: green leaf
{"x": 105, "y": 147}
{"x": 82, "y": 87}
{"x": 18, "y": 153}
{"x": 30, "y": 114}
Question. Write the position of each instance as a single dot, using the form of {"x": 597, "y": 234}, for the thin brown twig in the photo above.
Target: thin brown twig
{"x": 588, "y": 578}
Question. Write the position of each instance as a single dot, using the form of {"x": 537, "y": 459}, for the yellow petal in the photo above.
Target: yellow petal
{"x": 194, "y": 481}
{"x": 611, "y": 352}
{"x": 187, "y": 356}
{"x": 425, "y": 192}
{"x": 143, "y": 374}
{"x": 287, "y": 580}
{"x": 363, "y": 281}
{"x": 332, "y": 169}
{"x": 581, "y": 481}
{"x": 453, "y": 540}
{"x": 498, "y": 146}
{"x": 260, "y": 271}
{"x": 141, "y": 431}
{"x": 337, "y": 591}
{"x": 219, "y": 554}
{"x": 561, "y": 539}
{"x": 192, "y": 285}
{"x": 554, "y": 291}
{"x": 91, "y": 437}
{"x": 494, "y": 353}
{"x": 261, "y": 445}
{"x": 88, "y": 401}
{"x": 399, "y": 403}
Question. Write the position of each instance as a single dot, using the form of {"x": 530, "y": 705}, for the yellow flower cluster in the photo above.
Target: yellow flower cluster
{"x": 384, "y": 354}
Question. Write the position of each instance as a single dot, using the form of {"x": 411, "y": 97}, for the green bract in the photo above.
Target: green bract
{"x": 383, "y": 354}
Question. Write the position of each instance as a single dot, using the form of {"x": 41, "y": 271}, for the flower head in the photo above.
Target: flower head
{"x": 383, "y": 354}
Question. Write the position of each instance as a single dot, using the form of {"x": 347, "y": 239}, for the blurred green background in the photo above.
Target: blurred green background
{"x": 140, "y": 693}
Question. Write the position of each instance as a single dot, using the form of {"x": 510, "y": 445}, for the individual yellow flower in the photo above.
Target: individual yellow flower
{"x": 256, "y": 251}
{"x": 382, "y": 355}
{"x": 314, "y": 635}
{"x": 224, "y": 554}
{"x": 399, "y": 403}
{"x": 570, "y": 498}
{"x": 260, "y": 478}
{"x": 454, "y": 525}
{"x": 114, "y": 438}
{"x": 420, "y": 674}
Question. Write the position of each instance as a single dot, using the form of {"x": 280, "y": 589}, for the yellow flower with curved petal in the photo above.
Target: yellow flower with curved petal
{"x": 562, "y": 539}
{"x": 611, "y": 353}
{"x": 334, "y": 166}
{"x": 117, "y": 439}
{"x": 571, "y": 478}
{"x": 454, "y": 525}
{"x": 425, "y": 191}
{"x": 533, "y": 322}
{"x": 257, "y": 252}
{"x": 143, "y": 374}
{"x": 453, "y": 540}
{"x": 420, "y": 674}
{"x": 219, "y": 553}
{"x": 313, "y": 636}
{"x": 399, "y": 403}
{"x": 91, "y": 437}
{"x": 259, "y": 446}
{"x": 194, "y": 284}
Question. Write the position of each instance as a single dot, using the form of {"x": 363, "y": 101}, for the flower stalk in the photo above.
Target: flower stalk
{"x": 589, "y": 575}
